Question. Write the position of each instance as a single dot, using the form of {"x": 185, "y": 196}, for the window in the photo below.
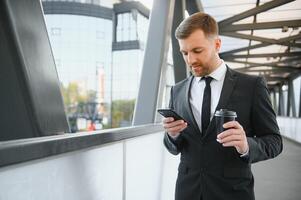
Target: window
{"x": 55, "y": 31}
{"x": 100, "y": 35}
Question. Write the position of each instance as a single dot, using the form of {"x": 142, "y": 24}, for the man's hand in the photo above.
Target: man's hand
{"x": 172, "y": 127}
{"x": 235, "y": 136}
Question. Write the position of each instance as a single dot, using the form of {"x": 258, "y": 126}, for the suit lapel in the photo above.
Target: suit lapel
{"x": 228, "y": 86}
{"x": 188, "y": 105}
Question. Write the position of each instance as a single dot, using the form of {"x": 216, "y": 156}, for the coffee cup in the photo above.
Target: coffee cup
{"x": 223, "y": 116}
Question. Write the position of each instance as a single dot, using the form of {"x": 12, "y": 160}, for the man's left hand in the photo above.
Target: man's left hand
{"x": 234, "y": 136}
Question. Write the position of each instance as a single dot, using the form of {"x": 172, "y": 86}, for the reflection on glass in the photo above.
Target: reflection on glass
{"x": 82, "y": 51}
{"x": 99, "y": 86}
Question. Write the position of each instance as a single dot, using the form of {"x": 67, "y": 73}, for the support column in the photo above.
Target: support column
{"x": 280, "y": 102}
{"x": 291, "y": 98}
{"x": 273, "y": 95}
{"x": 194, "y": 6}
{"x": 288, "y": 100}
{"x": 155, "y": 61}
{"x": 300, "y": 101}
{"x": 180, "y": 69}
{"x": 31, "y": 103}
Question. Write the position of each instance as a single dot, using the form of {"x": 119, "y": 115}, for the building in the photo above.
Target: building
{"x": 99, "y": 44}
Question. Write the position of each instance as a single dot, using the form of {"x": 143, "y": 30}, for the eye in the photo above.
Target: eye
{"x": 198, "y": 51}
{"x": 184, "y": 53}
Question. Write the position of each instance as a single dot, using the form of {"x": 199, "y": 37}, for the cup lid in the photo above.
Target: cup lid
{"x": 225, "y": 113}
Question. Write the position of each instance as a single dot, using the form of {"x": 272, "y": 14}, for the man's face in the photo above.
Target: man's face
{"x": 200, "y": 52}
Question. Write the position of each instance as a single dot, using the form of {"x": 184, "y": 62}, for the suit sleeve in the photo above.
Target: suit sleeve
{"x": 172, "y": 145}
{"x": 267, "y": 141}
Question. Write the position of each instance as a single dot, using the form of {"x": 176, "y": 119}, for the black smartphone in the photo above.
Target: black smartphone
{"x": 170, "y": 113}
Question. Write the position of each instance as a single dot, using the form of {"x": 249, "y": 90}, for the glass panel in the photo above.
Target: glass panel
{"x": 142, "y": 26}
{"x": 99, "y": 173}
{"x": 119, "y": 27}
{"x": 154, "y": 176}
{"x": 82, "y": 50}
{"x": 126, "y": 76}
{"x": 92, "y": 174}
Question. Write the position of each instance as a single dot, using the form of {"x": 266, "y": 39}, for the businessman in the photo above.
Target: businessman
{"x": 217, "y": 166}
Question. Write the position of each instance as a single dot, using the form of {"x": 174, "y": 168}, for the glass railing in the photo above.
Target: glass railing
{"x": 290, "y": 127}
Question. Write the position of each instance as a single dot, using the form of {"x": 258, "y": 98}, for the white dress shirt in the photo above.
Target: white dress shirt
{"x": 197, "y": 92}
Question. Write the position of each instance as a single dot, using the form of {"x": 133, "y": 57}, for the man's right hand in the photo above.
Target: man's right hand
{"x": 172, "y": 127}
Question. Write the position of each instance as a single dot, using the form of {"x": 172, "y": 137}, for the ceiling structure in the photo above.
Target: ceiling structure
{"x": 260, "y": 37}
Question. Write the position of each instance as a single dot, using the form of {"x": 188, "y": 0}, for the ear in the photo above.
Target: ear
{"x": 218, "y": 44}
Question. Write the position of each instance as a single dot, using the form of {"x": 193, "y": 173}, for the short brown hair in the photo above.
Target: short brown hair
{"x": 197, "y": 21}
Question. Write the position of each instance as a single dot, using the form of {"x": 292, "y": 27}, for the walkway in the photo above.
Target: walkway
{"x": 280, "y": 178}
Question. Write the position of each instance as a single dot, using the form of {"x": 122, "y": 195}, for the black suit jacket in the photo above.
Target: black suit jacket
{"x": 209, "y": 171}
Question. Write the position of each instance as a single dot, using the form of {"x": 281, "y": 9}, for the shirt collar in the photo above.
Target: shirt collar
{"x": 218, "y": 73}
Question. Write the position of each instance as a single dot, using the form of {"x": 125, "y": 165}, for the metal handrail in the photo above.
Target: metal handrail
{"x": 22, "y": 150}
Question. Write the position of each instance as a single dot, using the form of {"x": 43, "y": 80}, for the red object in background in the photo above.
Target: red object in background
{"x": 91, "y": 127}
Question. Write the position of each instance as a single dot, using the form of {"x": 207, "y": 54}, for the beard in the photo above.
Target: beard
{"x": 199, "y": 71}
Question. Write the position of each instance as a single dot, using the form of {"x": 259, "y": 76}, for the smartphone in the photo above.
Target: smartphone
{"x": 170, "y": 113}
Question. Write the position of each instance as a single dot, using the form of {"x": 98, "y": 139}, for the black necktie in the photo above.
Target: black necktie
{"x": 206, "y": 104}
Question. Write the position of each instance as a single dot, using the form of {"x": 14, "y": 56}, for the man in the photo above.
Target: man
{"x": 217, "y": 167}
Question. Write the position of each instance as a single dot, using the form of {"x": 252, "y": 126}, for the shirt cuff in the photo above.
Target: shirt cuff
{"x": 174, "y": 138}
{"x": 245, "y": 154}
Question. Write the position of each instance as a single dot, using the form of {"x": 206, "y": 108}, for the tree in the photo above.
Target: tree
{"x": 75, "y": 99}
{"x": 79, "y": 103}
{"x": 122, "y": 112}
{"x": 73, "y": 95}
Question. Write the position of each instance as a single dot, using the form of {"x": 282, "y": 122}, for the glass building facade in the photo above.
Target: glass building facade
{"x": 98, "y": 48}
{"x": 81, "y": 48}
{"x": 128, "y": 59}
{"x": 126, "y": 72}
{"x": 131, "y": 26}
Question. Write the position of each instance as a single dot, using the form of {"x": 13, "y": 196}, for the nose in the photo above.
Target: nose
{"x": 191, "y": 59}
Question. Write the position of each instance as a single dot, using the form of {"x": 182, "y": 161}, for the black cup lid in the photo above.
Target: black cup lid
{"x": 225, "y": 113}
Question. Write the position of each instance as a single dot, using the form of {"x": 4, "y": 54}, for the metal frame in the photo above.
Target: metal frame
{"x": 127, "y": 6}
{"x": 180, "y": 70}
{"x": 75, "y": 8}
{"x": 155, "y": 62}
{"x": 299, "y": 114}
{"x": 31, "y": 102}
{"x": 274, "y": 100}
{"x": 266, "y": 55}
{"x": 290, "y": 59}
{"x": 125, "y": 45}
{"x": 280, "y": 101}
{"x": 167, "y": 15}
{"x": 254, "y": 11}
{"x": 282, "y": 41}
{"x": 261, "y": 26}
{"x": 17, "y": 151}
{"x": 291, "y": 99}
{"x": 193, "y": 6}
{"x": 271, "y": 64}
